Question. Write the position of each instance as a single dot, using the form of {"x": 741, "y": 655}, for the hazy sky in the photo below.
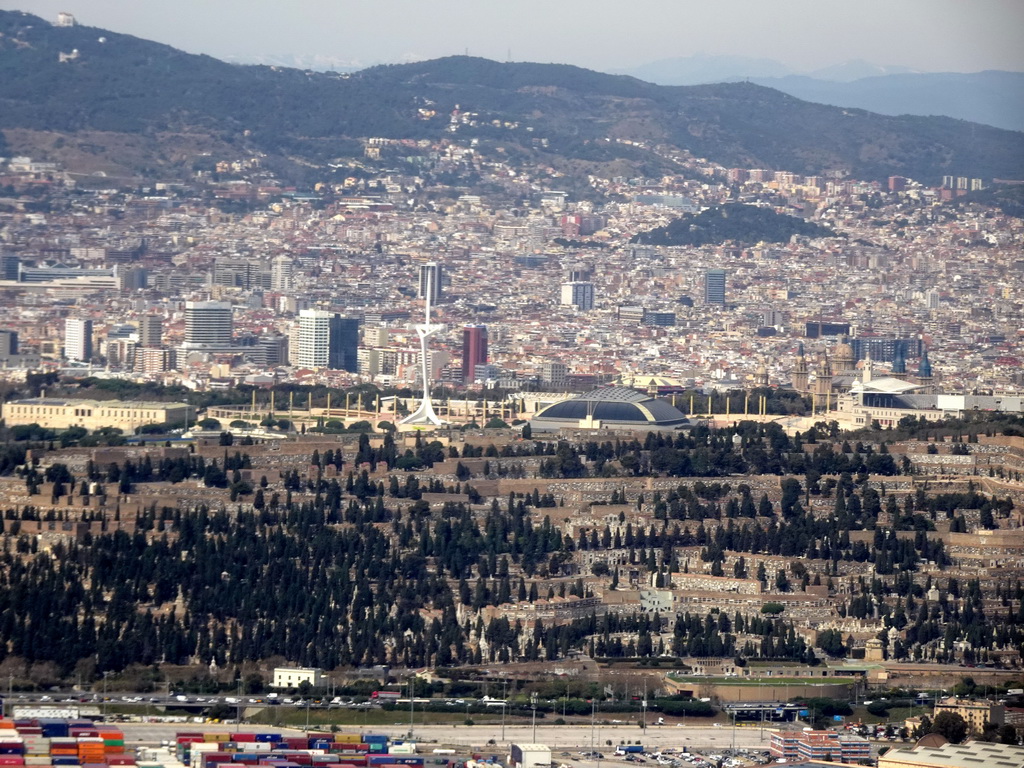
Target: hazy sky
{"x": 929, "y": 35}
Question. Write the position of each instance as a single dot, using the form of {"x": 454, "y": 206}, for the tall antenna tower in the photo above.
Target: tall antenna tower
{"x": 425, "y": 413}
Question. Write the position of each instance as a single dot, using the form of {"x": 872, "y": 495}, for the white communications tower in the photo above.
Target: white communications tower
{"x": 425, "y": 413}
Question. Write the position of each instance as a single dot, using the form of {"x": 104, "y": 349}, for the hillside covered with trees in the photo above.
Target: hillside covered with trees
{"x": 118, "y": 84}
{"x": 746, "y": 224}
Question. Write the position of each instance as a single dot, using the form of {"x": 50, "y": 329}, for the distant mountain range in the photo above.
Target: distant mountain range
{"x": 84, "y": 95}
{"x": 703, "y": 69}
{"x": 992, "y": 97}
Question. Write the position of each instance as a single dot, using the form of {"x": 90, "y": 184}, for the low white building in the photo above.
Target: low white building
{"x": 293, "y": 677}
{"x": 530, "y": 756}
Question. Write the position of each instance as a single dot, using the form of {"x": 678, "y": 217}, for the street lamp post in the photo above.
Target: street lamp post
{"x": 412, "y": 706}
{"x": 593, "y": 712}
{"x": 105, "y": 675}
{"x": 643, "y": 709}
{"x": 533, "y": 706}
{"x": 504, "y": 705}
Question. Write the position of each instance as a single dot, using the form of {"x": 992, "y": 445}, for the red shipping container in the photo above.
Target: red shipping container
{"x": 120, "y": 760}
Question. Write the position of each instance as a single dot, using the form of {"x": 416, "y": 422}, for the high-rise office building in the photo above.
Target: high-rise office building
{"x": 714, "y": 287}
{"x": 131, "y": 278}
{"x": 554, "y": 375}
{"x": 376, "y": 336}
{"x": 344, "y": 354}
{"x": 578, "y": 294}
{"x": 314, "y": 338}
{"x": 208, "y": 323}
{"x": 431, "y": 274}
{"x": 10, "y": 266}
{"x": 474, "y": 351}
{"x": 275, "y": 347}
{"x": 151, "y": 331}
{"x": 328, "y": 340}
{"x": 281, "y": 277}
{"x": 580, "y": 274}
{"x": 8, "y": 345}
{"x": 78, "y": 339}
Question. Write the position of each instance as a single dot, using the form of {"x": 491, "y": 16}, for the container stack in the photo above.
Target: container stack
{"x": 314, "y": 750}
{"x": 46, "y": 743}
{"x": 84, "y": 744}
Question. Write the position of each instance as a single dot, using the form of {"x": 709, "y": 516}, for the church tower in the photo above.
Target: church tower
{"x": 924, "y": 371}
{"x": 823, "y": 377}
{"x": 899, "y": 359}
{"x": 800, "y": 375}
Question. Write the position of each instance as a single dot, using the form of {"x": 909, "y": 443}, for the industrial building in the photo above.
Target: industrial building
{"x": 973, "y": 754}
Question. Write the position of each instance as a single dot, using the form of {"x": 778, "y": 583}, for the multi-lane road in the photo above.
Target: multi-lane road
{"x": 572, "y": 738}
{"x": 494, "y": 738}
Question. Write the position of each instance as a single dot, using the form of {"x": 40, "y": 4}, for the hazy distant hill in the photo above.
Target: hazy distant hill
{"x": 992, "y": 97}
{"x": 164, "y": 103}
{"x": 703, "y": 68}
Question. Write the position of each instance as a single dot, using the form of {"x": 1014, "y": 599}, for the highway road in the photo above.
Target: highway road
{"x": 477, "y": 738}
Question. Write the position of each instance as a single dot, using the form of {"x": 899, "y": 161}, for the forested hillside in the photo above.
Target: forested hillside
{"x": 121, "y": 84}
{"x": 353, "y": 571}
{"x": 747, "y": 224}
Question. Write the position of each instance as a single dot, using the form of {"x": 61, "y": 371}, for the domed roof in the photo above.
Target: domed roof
{"x": 610, "y": 406}
{"x": 843, "y": 351}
